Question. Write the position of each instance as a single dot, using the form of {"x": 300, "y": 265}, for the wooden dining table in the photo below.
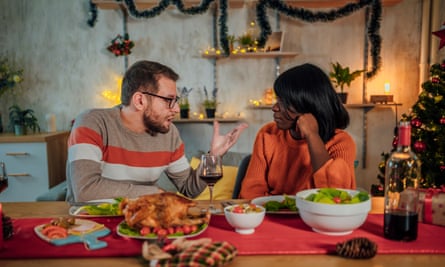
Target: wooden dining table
{"x": 60, "y": 208}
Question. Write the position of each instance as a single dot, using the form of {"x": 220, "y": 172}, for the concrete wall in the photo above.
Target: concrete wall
{"x": 67, "y": 66}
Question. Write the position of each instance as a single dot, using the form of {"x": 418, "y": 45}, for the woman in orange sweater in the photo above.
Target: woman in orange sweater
{"x": 306, "y": 145}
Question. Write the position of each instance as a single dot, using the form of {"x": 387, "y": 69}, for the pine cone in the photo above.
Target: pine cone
{"x": 357, "y": 248}
{"x": 8, "y": 230}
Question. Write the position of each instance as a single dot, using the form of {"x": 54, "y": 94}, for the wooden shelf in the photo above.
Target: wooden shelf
{"x": 363, "y": 106}
{"x": 254, "y": 55}
{"x": 372, "y": 105}
{"x": 145, "y": 4}
{"x": 220, "y": 120}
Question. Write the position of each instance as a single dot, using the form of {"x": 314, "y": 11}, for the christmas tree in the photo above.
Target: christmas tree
{"x": 427, "y": 118}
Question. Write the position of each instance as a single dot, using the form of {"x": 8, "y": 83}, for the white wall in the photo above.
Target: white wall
{"x": 67, "y": 66}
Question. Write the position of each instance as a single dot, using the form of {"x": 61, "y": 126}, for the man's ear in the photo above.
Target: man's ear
{"x": 139, "y": 101}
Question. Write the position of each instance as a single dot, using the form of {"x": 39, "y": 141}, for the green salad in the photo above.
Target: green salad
{"x": 288, "y": 203}
{"x": 104, "y": 208}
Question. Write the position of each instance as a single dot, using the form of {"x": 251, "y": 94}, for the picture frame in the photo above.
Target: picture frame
{"x": 274, "y": 42}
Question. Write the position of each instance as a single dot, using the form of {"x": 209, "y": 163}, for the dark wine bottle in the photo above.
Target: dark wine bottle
{"x": 402, "y": 176}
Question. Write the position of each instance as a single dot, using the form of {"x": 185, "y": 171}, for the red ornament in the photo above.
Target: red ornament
{"x": 435, "y": 80}
{"x": 441, "y": 34}
{"x": 442, "y": 168}
{"x": 395, "y": 141}
{"x": 442, "y": 120}
{"x": 416, "y": 122}
{"x": 419, "y": 146}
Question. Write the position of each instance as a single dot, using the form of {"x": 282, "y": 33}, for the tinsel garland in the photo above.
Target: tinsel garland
{"x": 310, "y": 16}
{"x": 93, "y": 14}
{"x": 263, "y": 22}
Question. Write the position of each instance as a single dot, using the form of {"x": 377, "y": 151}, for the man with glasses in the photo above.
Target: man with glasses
{"x": 122, "y": 151}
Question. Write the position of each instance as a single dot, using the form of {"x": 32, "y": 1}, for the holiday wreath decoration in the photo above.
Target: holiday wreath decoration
{"x": 121, "y": 46}
{"x": 374, "y": 11}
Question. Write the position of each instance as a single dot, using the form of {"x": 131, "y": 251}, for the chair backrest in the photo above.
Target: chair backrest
{"x": 242, "y": 168}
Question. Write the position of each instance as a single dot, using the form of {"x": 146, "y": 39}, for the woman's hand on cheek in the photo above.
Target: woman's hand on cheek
{"x": 307, "y": 124}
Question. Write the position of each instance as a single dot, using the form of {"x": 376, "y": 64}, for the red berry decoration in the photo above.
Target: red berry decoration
{"x": 442, "y": 168}
{"x": 416, "y": 122}
{"x": 395, "y": 141}
{"x": 435, "y": 80}
{"x": 442, "y": 120}
{"x": 419, "y": 146}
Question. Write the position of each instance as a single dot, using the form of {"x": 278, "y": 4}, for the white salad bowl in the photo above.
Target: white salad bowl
{"x": 332, "y": 219}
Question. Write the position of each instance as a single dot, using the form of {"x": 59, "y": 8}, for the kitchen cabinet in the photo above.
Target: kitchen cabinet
{"x": 34, "y": 163}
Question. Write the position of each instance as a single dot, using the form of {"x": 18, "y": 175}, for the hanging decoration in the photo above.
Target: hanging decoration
{"x": 121, "y": 46}
{"x": 373, "y": 23}
{"x": 441, "y": 34}
{"x": 93, "y": 14}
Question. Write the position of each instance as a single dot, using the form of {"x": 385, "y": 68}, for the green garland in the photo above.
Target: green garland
{"x": 263, "y": 22}
{"x": 309, "y": 16}
{"x": 163, "y": 4}
{"x": 93, "y": 14}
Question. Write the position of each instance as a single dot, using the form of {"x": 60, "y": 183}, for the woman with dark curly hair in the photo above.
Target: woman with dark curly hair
{"x": 306, "y": 145}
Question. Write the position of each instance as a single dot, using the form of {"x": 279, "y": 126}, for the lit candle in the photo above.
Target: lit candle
{"x": 387, "y": 88}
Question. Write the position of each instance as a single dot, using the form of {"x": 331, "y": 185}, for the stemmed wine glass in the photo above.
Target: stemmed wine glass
{"x": 211, "y": 171}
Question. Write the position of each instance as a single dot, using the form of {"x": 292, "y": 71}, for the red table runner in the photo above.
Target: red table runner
{"x": 278, "y": 234}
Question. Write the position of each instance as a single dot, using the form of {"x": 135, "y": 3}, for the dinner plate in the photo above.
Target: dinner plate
{"x": 261, "y": 201}
{"x": 80, "y": 211}
{"x": 136, "y": 235}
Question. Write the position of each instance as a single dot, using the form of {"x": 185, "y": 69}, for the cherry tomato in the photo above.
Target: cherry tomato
{"x": 162, "y": 232}
{"x": 187, "y": 229}
{"x": 238, "y": 209}
{"x": 145, "y": 230}
{"x": 171, "y": 230}
{"x": 337, "y": 200}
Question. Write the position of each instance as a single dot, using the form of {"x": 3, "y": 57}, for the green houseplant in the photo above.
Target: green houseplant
{"x": 341, "y": 76}
{"x": 22, "y": 119}
{"x": 184, "y": 105}
{"x": 210, "y": 103}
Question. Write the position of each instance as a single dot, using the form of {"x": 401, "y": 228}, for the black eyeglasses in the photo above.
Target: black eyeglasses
{"x": 170, "y": 100}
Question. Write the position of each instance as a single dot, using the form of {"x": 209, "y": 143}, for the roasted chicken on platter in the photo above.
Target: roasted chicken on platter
{"x": 161, "y": 210}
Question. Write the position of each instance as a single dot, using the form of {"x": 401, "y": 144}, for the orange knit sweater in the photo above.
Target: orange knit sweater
{"x": 281, "y": 164}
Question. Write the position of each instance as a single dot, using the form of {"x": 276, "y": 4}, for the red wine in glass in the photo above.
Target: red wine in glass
{"x": 3, "y": 177}
{"x": 211, "y": 178}
{"x": 211, "y": 171}
{"x": 3, "y": 184}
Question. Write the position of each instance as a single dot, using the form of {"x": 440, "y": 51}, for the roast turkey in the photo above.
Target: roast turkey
{"x": 161, "y": 210}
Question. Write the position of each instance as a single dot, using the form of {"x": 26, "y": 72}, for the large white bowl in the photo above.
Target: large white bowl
{"x": 332, "y": 219}
{"x": 244, "y": 223}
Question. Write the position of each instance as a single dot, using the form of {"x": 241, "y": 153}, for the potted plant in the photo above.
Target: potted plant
{"x": 9, "y": 79}
{"x": 231, "y": 39}
{"x": 184, "y": 104}
{"x": 247, "y": 42}
{"x": 341, "y": 76}
{"x": 22, "y": 119}
{"x": 210, "y": 103}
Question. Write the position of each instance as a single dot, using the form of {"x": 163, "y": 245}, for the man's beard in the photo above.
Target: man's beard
{"x": 153, "y": 127}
